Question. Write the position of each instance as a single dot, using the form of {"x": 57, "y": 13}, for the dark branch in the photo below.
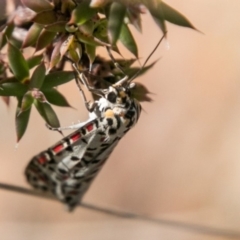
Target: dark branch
{"x": 169, "y": 223}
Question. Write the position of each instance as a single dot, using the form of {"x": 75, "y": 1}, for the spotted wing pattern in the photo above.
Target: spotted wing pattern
{"x": 67, "y": 169}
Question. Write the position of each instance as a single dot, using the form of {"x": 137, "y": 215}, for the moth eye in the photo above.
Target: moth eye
{"x": 128, "y": 92}
{"x": 124, "y": 99}
{"x": 112, "y": 97}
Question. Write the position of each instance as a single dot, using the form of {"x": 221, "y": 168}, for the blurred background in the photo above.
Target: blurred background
{"x": 180, "y": 163}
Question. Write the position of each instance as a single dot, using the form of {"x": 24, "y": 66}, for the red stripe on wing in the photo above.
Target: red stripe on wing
{"x": 58, "y": 148}
{"x": 89, "y": 127}
{"x": 42, "y": 159}
{"x": 75, "y": 137}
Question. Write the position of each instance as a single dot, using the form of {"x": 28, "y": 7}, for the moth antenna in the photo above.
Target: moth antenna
{"x": 116, "y": 64}
{"x": 79, "y": 76}
{"x": 149, "y": 56}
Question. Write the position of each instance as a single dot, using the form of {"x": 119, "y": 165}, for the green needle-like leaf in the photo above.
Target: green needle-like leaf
{"x": 21, "y": 120}
{"x": 57, "y": 78}
{"x": 175, "y": 17}
{"x": 91, "y": 52}
{"x": 128, "y": 40}
{"x": 135, "y": 19}
{"x": 88, "y": 39}
{"x": 100, "y": 30}
{"x": 57, "y": 27}
{"x": 162, "y": 12}
{"x": 82, "y": 13}
{"x": 13, "y": 89}
{"x": 56, "y": 56}
{"x": 6, "y": 34}
{"x": 45, "y": 17}
{"x": 32, "y": 35}
{"x": 18, "y": 64}
{"x": 34, "y": 61}
{"x": 115, "y": 20}
{"x": 38, "y": 76}
{"x": 27, "y": 102}
{"x": 47, "y": 113}
{"x": 45, "y": 38}
{"x": 38, "y": 5}
{"x": 55, "y": 97}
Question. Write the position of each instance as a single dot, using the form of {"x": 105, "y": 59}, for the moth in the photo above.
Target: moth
{"x": 68, "y": 168}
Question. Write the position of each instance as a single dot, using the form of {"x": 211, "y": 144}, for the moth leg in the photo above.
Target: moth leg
{"x": 74, "y": 126}
{"x": 89, "y": 106}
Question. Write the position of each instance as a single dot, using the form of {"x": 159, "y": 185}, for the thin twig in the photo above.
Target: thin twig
{"x": 169, "y": 223}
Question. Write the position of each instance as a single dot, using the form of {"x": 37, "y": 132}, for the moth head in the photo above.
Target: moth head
{"x": 118, "y": 94}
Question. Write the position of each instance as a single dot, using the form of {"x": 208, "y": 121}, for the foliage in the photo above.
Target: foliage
{"x": 70, "y": 30}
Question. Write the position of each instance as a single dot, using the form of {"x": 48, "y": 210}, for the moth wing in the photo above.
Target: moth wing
{"x": 41, "y": 170}
{"x": 75, "y": 187}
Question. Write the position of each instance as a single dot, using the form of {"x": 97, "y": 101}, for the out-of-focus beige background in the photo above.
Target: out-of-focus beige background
{"x": 182, "y": 160}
